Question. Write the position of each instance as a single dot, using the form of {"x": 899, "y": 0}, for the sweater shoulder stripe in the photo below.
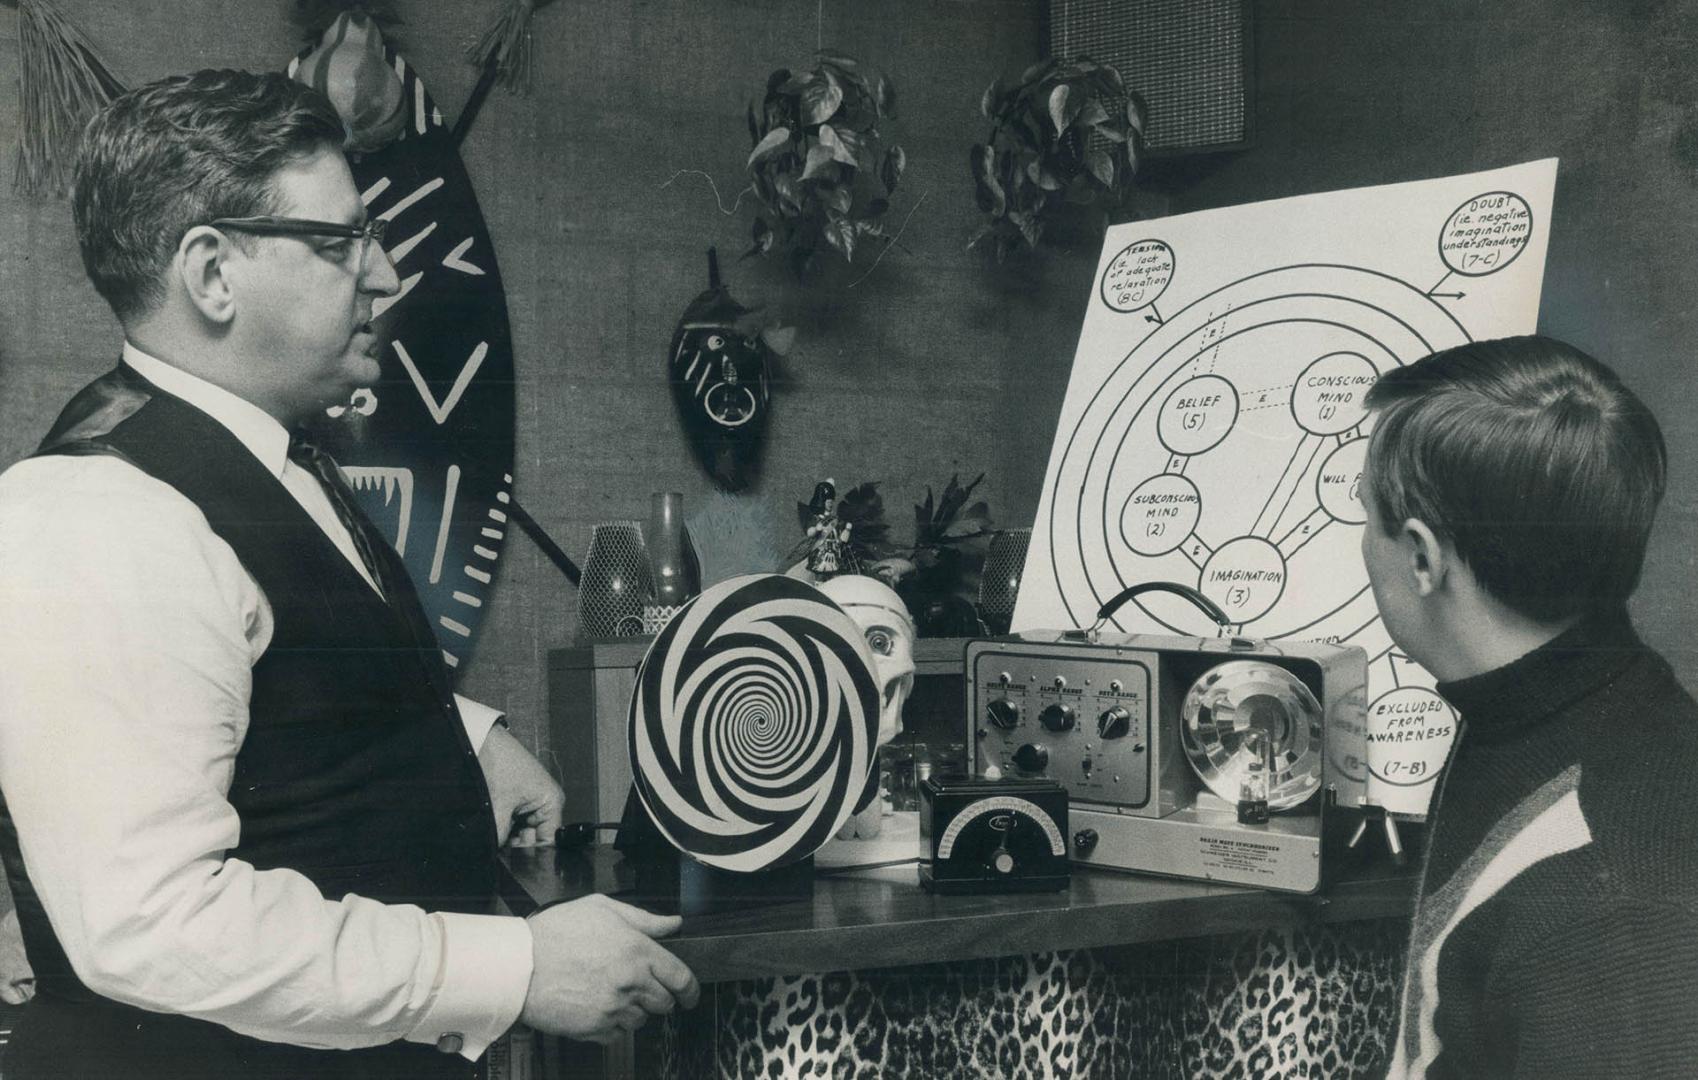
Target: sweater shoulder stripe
{"x": 1547, "y": 823}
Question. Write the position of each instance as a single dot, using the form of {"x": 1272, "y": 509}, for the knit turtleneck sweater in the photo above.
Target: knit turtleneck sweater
{"x": 1556, "y": 933}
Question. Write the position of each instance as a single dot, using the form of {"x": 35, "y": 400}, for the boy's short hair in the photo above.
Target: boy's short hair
{"x": 177, "y": 153}
{"x": 1532, "y": 460}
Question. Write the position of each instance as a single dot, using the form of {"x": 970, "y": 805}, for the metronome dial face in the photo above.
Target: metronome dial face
{"x": 1240, "y": 696}
{"x": 1001, "y": 832}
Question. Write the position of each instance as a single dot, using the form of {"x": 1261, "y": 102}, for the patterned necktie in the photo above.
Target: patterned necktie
{"x": 380, "y": 559}
{"x": 359, "y": 527}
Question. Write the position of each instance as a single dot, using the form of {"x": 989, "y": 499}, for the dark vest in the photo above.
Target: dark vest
{"x": 356, "y": 770}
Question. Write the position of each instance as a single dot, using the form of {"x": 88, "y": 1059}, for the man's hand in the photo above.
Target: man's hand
{"x": 525, "y": 798}
{"x": 17, "y": 981}
{"x": 596, "y": 970}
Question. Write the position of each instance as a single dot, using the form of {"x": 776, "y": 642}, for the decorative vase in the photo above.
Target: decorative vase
{"x": 999, "y": 586}
{"x": 615, "y": 584}
{"x": 675, "y": 573}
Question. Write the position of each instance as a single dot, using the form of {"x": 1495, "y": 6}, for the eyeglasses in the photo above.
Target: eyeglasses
{"x": 369, "y": 234}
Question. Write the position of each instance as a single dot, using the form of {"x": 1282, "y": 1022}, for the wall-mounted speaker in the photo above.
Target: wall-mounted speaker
{"x": 1190, "y": 59}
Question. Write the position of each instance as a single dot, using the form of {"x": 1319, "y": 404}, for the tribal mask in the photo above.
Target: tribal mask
{"x": 720, "y": 382}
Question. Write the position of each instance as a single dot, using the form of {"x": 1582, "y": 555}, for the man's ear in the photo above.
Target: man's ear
{"x": 1429, "y": 560}
{"x": 202, "y": 266}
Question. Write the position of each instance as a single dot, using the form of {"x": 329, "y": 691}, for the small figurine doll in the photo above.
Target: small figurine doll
{"x": 828, "y": 538}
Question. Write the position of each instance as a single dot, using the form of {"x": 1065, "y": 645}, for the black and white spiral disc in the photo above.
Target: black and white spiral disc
{"x": 754, "y": 724}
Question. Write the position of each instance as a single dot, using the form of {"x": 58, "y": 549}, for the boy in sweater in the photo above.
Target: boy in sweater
{"x": 1510, "y": 489}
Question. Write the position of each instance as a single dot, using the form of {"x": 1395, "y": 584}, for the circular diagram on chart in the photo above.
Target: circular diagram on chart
{"x": 1225, "y": 451}
{"x": 1215, "y": 428}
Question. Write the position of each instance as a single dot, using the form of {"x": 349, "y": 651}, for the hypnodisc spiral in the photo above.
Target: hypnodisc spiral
{"x": 754, "y": 723}
{"x": 1240, "y": 695}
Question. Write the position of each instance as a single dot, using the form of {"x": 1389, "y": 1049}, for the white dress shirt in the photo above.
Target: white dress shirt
{"x": 128, "y": 635}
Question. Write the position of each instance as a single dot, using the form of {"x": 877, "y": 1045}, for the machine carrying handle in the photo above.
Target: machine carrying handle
{"x": 1204, "y": 604}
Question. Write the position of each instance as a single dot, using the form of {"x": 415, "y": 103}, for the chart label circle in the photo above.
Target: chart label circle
{"x": 1137, "y": 275}
{"x": 1338, "y": 485}
{"x": 1410, "y": 730}
{"x": 1246, "y": 577}
{"x": 1327, "y": 397}
{"x": 1160, "y": 514}
{"x": 1486, "y": 233}
{"x": 1197, "y": 415}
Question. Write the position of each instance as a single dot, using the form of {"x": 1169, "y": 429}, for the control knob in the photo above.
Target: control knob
{"x": 1031, "y": 758}
{"x": 1114, "y": 722}
{"x": 1003, "y": 713}
{"x": 1058, "y": 717}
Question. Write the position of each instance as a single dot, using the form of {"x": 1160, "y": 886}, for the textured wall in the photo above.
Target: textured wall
{"x": 917, "y": 371}
{"x": 935, "y": 362}
{"x": 1354, "y": 92}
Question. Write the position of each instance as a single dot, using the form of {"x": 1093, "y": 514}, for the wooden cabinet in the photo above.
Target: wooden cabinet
{"x": 589, "y": 694}
{"x": 589, "y": 698}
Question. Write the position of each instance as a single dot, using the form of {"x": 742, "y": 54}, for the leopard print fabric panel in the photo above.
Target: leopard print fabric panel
{"x": 1312, "y": 1002}
{"x": 1318, "y": 1002}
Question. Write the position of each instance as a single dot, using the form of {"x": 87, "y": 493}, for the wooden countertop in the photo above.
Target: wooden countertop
{"x": 875, "y": 918}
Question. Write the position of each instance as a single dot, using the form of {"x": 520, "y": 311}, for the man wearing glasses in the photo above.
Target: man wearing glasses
{"x": 250, "y": 828}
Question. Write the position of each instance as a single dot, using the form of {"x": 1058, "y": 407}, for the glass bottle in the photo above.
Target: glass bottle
{"x": 675, "y": 572}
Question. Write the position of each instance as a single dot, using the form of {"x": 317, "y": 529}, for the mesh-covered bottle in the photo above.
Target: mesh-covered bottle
{"x": 615, "y": 584}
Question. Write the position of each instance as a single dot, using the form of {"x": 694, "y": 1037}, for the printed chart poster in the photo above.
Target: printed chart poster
{"x": 1213, "y": 432}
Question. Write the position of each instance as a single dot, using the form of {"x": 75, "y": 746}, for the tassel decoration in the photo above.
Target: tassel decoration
{"x": 63, "y": 83}
{"x": 507, "y": 45}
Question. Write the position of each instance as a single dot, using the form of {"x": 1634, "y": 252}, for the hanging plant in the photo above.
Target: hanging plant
{"x": 1069, "y": 132}
{"x": 819, "y": 165}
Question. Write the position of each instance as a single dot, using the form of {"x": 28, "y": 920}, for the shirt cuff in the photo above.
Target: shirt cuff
{"x": 481, "y": 982}
{"x": 478, "y": 718}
